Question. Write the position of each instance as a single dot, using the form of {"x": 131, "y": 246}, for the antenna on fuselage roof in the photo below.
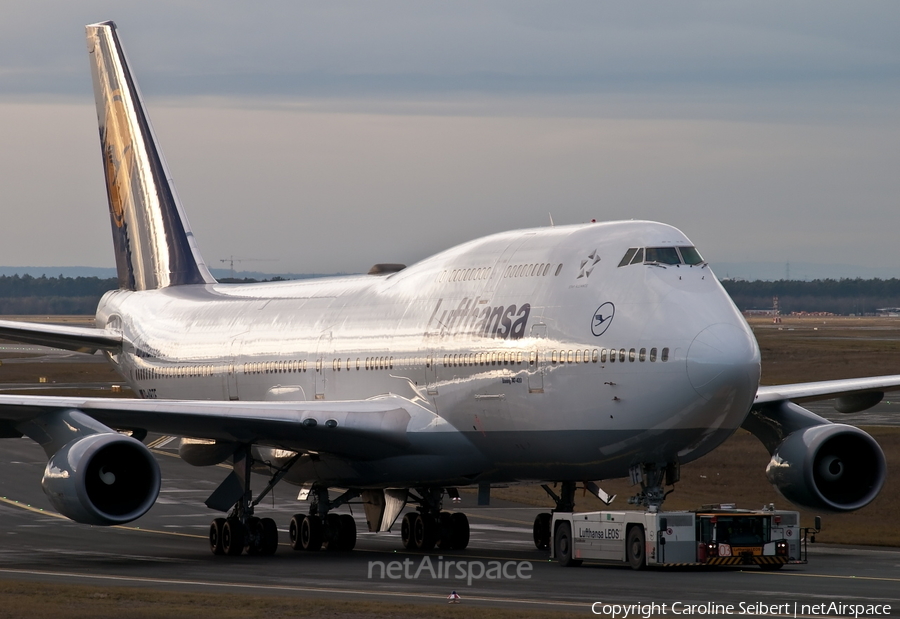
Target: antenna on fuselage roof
{"x": 551, "y": 219}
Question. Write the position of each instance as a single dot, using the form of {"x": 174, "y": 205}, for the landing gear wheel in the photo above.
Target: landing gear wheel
{"x": 541, "y": 531}
{"x": 564, "y": 546}
{"x": 215, "y": 536}
{"x": 294, "y": 531}
{"x": 233, "y": 537}
{"x": 269, "y": 536}
{"x": 311, "y": 533}
{"x": 333, "y": 532}
{"x": 445, "y": 531}
{"x": 407, "y": 530}
{"x": 460, "y": 530}
{"x": 425, "y": 532}
{"x": 348, "y": 532}
{"x": 636, "y": 548}
{"x": 254, "y": 536}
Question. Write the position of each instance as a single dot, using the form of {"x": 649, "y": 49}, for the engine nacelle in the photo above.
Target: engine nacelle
{"x": 833, "y": 467}
{"x": 102, "y": 479}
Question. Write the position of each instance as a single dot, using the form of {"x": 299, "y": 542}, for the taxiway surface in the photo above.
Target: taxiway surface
{"x": 167, "y": 549}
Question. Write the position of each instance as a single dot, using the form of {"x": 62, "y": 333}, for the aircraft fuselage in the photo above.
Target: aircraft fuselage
{"x": 552, "y": 359}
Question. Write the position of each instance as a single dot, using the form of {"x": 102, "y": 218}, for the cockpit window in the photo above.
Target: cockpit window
{"x": 662, "y": 255}
{"x": 690, "y": 255}
{"x": 638, "y": 256}
{"x": 628, "y": 255}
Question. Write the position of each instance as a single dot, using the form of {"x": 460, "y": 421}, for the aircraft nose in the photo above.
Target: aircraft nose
{"x": 723, "y": 358}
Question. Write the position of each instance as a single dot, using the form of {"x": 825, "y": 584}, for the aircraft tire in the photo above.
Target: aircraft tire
{"x": 426, "y": 532}
{"x": 215, "y": 536}
{"x": 254, "y": 536}
{"x": 294, "y": 531}
{"x": 636, "y": 548}
{"x": 407, "y": 530}
{"x": 233, "y": 537}
{"x": 541, "y": 531}
{"x": 269, "y": 532}
{"x": 445, "y": 531}
{"x": 460, "y": 530}
{"x": 348, "y": 532}
{"x": 311, "y": 533}
{"x": 564, "y": 546}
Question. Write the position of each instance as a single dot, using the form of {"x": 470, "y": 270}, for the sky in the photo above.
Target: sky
{"x": 326, "y": 137}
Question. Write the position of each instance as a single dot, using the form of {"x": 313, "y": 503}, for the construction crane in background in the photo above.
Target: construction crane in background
{"x": 230, "y": 260}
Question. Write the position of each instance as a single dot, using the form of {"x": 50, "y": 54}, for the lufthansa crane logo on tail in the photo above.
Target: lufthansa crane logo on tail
{"x": 602, "y": 318}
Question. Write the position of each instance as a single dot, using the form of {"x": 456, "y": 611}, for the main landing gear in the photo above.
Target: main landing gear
{"x": 321, "y": 529}
{"x": 241, "y": 530}
{"x": 429, "y": 527}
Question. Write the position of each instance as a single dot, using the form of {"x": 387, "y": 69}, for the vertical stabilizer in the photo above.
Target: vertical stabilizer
{"x": 153, "y": 242}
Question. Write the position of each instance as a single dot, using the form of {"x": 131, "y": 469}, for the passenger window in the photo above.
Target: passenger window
{"x": 665, "y": 354}
{"x": 553, "y": 358}
{"x": 577, "y": 356}
{"x": 612, "y": 356}
{"x": 546, "y": 269}
{"x": 626, "y": 259}
{"x": 643, "y": 355}
{"x": 357, "y": 364}
{"x": 558, "y": 269}
{"x": 602, "y": 355}
{"x": 571, "y": 356}
{"x": 631, "y": 355}
{"x": 652, "y": 354}
{"x": 587, "y": 355}
{"x": 390, "y": 363}
{"x": 531, "y": 358}
{"x": 621, "y": 355}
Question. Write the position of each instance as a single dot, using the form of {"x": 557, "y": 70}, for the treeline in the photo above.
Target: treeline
{"x": 24, "y": 294}
{"x": 79, "y": 295}
{"x": 838, "y": 296}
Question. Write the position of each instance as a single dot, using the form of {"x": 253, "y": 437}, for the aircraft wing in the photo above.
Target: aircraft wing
{"x": 850, "y": 389}
{"x": 80, "y": 339}
{"x": 363, "y": 429}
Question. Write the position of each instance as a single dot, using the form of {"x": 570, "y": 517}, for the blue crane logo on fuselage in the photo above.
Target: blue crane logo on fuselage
{"x": 602, "y": 318}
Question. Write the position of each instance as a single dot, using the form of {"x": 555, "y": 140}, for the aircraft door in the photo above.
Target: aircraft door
{"x": 231, "y": 369}
{"x": 322, "y": 350}
{"x": 431, "y": 375}
{"x": 535, "y": 361}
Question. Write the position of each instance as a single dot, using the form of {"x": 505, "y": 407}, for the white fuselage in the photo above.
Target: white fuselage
{"x": 551, "y": 359}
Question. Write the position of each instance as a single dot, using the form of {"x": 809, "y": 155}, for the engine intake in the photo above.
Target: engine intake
{"x": 833, "y": 467}
{"x": 102, "y": 479}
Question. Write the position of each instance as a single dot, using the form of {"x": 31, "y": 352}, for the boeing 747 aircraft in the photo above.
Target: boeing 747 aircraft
{"x": 568, "y": 354}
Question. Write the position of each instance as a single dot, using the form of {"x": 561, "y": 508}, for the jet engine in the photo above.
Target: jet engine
{"x": 833, "y": 467}
{"x": 102, "y": 479}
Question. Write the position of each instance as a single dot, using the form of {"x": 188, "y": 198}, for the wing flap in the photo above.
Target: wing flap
{"x": 79, "y": 339}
